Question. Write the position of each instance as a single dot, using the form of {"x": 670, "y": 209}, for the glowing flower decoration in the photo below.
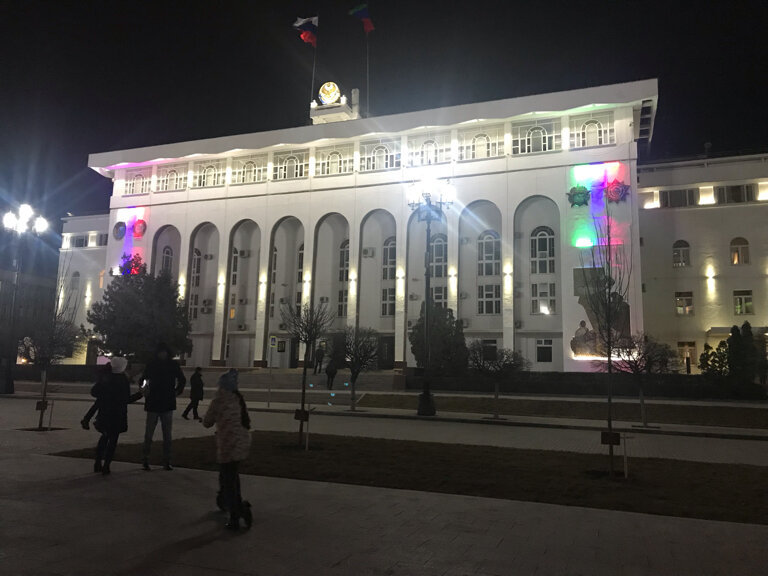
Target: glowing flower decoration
{"x": 578, "y": 196}
{"x": 616, "y": 191}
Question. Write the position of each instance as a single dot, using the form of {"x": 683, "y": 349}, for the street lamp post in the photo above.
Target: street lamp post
{"x": 428, "y": 199}
{"x": 18, "y": 224}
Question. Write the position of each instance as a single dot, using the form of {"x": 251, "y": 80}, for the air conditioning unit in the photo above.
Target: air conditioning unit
{"x": 243, "y": 301}
{"x": 323, "y": 299}
{"x": 465, "y": 240}
{"x": 206, "y": 310}
{"x": 464, "y": 323}
{"x": 463, "y": 295}
{"x": 208, "y": 257}
{"x": 369, "y": 252}
{"x": 282, "y": 300}
{"x": 283, "y": 327}
{"x": 207, "y": 302}
{"x": 413, "y": 296}
{"x": 242, "y": 327}
{"x": 518, "y": 324}
{"x": 245, "y": 254}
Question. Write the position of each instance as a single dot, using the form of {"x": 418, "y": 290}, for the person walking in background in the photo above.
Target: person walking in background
{"x": 319, "y": 355}
{"x": 233, "y": 442}
{"x": 164, "y": 381}
{"x": 113, "y": 394}
{"x": 102, "y": 372}
{"x": 195, "y": 394}
{"x": 330, "y": 373}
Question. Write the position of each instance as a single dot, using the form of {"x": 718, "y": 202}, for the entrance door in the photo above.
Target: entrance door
{"x": 386, "y": 352}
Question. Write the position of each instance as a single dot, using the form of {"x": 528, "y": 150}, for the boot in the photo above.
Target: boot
{"x": 97, "y": 467}
{"x": 105, "y": 470}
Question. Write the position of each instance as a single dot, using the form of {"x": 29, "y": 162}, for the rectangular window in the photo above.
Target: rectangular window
{"x": 681, "y": 255}
{"x": 137, "y": 182}
{"x": 249, "y": 169}
{"x": 291, "y": 164}
{"x": 343, "y": 299}
{"x": 272, "y": 305}
{"x": 102, "y": 239}
{"x": 543, "y": 350}
{"x": 686, "y": 351}
{"x": 684, "y": 303}
{"x": 742, "y": 302}
{"x": 379, "y": 155}
{"x": 481, "y": 142}
{"x": 489, "y": 299}
{"x": 543, "y": 299}
{"x": 439, "y": 296}
{"x": 172, "y": 177}
{"x": 430, "y": 148}
{"x": 595, "y": 129}
{"x": 388, "y": 302}
{"x": 735, "y": 194}
{"x": 194, "y": 304}
{"x": 536, "y": 136}
{"x": 334, "y": 160}
{"x": 209, "y": 173}
{"x": 678, "y": 198}
{"x": 388, "y": 260}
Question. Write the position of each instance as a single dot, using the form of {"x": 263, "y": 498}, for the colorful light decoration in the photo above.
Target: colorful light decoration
{"x": 595, "y": 186}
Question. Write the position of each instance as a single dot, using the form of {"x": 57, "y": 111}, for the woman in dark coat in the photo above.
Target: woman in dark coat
{"x": 113, "y": 395}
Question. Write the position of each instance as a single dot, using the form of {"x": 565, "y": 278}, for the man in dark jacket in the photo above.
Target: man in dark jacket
{"x": 165, "y": 381}
{"x": 195, "y": 394}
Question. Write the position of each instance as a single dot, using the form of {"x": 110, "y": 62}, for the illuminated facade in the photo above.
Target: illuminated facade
{"x": 321, "y": 214}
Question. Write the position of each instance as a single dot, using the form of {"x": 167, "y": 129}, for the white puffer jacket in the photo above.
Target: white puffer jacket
{"x": 233, "y": 440}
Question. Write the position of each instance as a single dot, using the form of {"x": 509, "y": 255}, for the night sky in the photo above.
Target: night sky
{"x": 78, "y": 77}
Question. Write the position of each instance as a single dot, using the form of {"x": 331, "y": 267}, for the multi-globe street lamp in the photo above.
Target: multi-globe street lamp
{"x": 18, "y": 224}
{"x": 428, "y": 199}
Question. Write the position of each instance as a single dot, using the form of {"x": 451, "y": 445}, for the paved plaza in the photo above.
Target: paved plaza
{"x": 58, "y": 518}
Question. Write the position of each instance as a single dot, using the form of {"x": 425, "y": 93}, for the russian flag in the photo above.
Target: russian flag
{"x": 308, "y": 27}
{"x": 362, "y": 13}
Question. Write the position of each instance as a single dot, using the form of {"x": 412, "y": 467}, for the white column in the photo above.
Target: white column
{"x": 354, "y": 270}
{"x": 507, "y": 279}
{"x": 262, "y": 306}
{"x": 221, "y": 309}
{"x": 401, "y": 328}
{"x": 452, "y": 236}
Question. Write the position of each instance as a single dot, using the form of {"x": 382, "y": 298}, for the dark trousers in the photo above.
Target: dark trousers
{"x": 318, "y": 366}
{"x": 329, "y": 383}
{"x": 229, "y": 479}
{"x": 105, "y": 449}
{"x": 91, "y": 411}
{"x": 192, "y": 406}
{"x": 166, "y": 422}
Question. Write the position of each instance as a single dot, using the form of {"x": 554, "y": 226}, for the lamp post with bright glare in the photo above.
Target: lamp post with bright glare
{"x": 428, "y": 199}
{"x": 19, "y": 224}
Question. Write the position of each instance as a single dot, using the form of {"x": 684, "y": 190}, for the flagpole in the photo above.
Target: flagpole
{"x": 314, "y": 62}
{"x": 367, "y": 78}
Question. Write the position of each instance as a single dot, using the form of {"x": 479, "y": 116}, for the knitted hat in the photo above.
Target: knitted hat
{"x": 228, "y": 380}
{"x": 119, "y": 364}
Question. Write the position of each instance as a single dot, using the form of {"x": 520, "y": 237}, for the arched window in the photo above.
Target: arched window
{"x": 137, "y": 185}
{"x": 249, "y": 172}
{"x": 344, "y": 261}
{"x": 235, "y": 263}
{"x": 74, "y": 283}
{"x": 290, "y": 167}
{"x": 380, "y": 158}
{"x": 209, "y": 176}
{"x": 274, "y": 266}
{"x": 197, "y": 260}
{"x": 536, "y": 140}
{"x": 739, "y": 251}
{"x": 429, "y": 152}
{"x": 481, "y": 146}
{"x": 388, "y": 259}
{"x": 681, "y": 254}
{"x": 489, "y": 254}
{"x": 333, "y": 163}
{"x": 172, "y": 180}
{"x": 543, "y": 251}
{"x": 300, "y": 265}
{"x": 591, "y": 133}
{"x": 439, "y": 260}
{"x": 167, "y": 260}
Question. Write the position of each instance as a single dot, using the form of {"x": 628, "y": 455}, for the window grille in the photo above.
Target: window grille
{"x": 543, "y": 298}
{"x": 194, "y": 306}
{"x": 735, "y": 194}
{"x": 536, "y": 136}
{"x": 291, "y": 164}
{"x": 300, "y": 265}
{"x": 489, "y": 254}
{"x": 388, "y": 302}
{"x": 137, "y": 182}
{"x": 102, "y": 239}
{"x": 172, "y": 177}
{"x": 209, "y": 173}
{"x": 272, "y": 305}
{"x": 543, "y": 250}
{"x": 489, "y": 299}
{"x": 79, "y": 241}
{"x": 74, "y": 283}
{"x": 388, "y": 259}
{"x": 235, "y": 263}
{"x": 481, "y": 142}
{"x": 438, "y": 266}
{"x": 742, "y": 302}
{"x": 379, "y": 155}
{"x": 334, "y": 160}
{"x": 344, "y": 261}
{"x": 681, "y": 254}
{"x": 194, "y": 278}
{"x": 249, "y": 169}
{"x": 739, "y": 251}
{"x": 439, "y": 296}
{"x": 343, "y": 300}
{"x": 274, "y": 265}
{"x": 678, "y": 198}
{"x": 543, "y": 350}
{"x": 594, "y": 129}
{"x": 684, "y": 303}
{"x": 167, "y": 261}
{"x": 431, "y": 148}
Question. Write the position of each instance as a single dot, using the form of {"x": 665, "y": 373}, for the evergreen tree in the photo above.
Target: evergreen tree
{"x": 714, "y": 362}
{"x": 447, "y": 345}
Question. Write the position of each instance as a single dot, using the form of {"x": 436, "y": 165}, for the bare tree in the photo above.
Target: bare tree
{"x": 607, "y": 272}
{"x": 643, "y": 355}
{"x": 361, "y": 352}
{"x": 306, "y": 324}
{"x": 496, "y": 364}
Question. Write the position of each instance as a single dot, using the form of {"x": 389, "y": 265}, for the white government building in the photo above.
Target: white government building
{"x": 321, "y": 213}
